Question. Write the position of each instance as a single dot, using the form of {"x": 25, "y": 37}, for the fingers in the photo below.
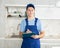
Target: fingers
{"x": 34, "y": 36}
{"x": 28, "y": 31}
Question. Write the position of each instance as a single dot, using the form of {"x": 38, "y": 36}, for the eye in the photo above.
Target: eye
{"x": 32, "y": 10}
{"x": 28, "y": 10}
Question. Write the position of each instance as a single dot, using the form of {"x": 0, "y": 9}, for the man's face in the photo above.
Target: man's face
{"x": 30, "y": 11}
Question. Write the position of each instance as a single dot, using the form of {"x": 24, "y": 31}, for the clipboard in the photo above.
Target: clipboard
{"x": 27, "y": 35}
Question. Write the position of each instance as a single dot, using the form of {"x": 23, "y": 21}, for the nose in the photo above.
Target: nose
{"x": 30, "y": 11}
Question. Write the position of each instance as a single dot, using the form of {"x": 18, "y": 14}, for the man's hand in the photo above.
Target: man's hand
{"x": 28, "y": 31}
{"x": 35, "y": 36}
{"x": 41, "y": 35}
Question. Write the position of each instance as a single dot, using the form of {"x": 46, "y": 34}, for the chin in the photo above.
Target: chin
{"x": 30, "y": 16}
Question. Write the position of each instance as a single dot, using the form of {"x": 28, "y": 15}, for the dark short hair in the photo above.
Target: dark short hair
{"x": 30, "y": 5}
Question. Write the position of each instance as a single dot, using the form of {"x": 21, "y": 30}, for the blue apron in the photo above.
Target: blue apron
{"x": 30, "y": 42}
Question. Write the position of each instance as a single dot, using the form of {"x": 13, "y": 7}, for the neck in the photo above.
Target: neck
{"x": 31, "y": 17}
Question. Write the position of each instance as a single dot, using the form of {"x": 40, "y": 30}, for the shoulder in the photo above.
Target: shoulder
{"x": 38, "y": 19}
{"x": 23, "y": 21}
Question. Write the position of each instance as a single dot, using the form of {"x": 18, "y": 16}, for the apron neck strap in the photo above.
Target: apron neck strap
{"x": 36, "y": 21}
{"x": 27, "y": 21}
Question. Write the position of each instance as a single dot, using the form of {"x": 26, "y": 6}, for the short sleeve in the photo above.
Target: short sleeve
{"x": 22, "y": 26}
{"x": 39, "y": 25}
{"x": 42, "y": 26}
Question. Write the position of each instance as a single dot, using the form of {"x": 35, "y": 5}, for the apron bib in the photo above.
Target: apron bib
{"x": 30, "y": 42}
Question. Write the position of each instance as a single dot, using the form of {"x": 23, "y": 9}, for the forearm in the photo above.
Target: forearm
{"x": 42, "y": 34}
{"x": 20, "y": 34}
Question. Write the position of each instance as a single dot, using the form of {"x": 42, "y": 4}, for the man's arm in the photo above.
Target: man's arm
{"x": 28, "y": 31}
{"x": 42, "y": 34}
{"x": 20, "y": 34}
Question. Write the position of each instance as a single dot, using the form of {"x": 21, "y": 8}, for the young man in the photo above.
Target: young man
{"x": 31, "y": 24}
